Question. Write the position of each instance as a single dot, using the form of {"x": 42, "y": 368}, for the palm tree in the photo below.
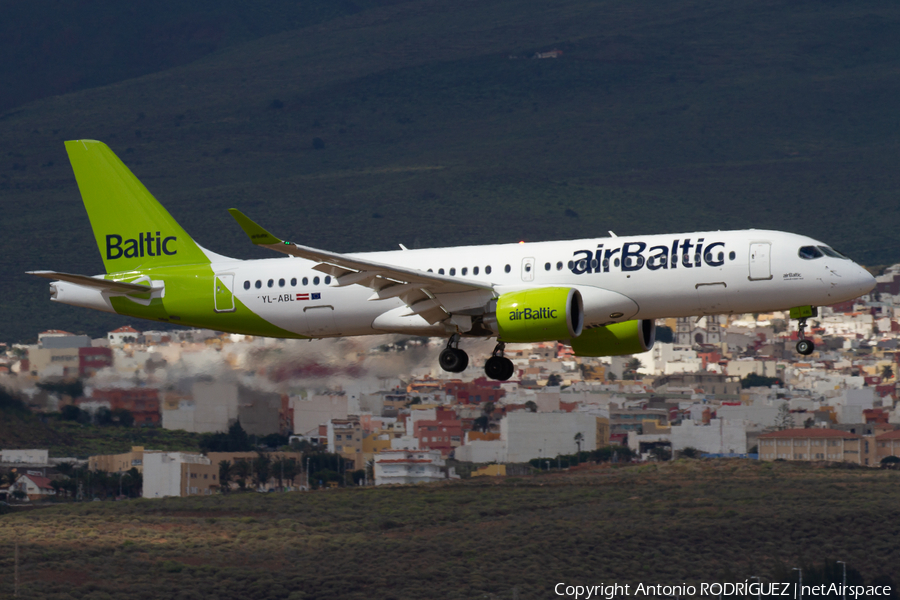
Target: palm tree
{"x": 578, "y": 439}
{"x": 261, "y": 467}
{"x": 226, "y": 472}
{"x": 242, "y": 470}
{"x": 887, "y": 372}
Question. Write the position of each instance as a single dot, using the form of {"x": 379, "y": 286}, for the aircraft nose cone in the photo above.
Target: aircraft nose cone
{"x": 865, "y": 280}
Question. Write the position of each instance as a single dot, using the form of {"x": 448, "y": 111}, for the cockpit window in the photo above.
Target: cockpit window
{"x": 809, "y": 252}
{"x": 831, "y": 252}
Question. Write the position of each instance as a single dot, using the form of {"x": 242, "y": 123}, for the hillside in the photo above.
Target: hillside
{"x": 439, "y": 129}
{"x": 676, "y": 523}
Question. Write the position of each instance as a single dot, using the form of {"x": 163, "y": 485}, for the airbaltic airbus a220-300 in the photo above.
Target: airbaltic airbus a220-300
{"x": 601, "y": 295}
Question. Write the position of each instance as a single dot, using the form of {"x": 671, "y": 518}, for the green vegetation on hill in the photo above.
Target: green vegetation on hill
{"x": 435, "y": 127}
{"x": 20, "y": 428}
{"x": 683, "y": 522}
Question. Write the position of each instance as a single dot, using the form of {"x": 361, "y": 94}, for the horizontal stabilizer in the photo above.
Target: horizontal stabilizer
{"x": 94, "y": 282}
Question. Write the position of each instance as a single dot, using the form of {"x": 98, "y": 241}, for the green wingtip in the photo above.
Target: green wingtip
{"x": 257, "y": 234}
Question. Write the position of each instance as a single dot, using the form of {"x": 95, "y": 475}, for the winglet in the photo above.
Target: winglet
{"x": 257, "y": 234}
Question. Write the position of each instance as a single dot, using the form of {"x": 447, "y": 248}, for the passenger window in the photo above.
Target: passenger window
{"x": 453, "y": 271}
{"x": 527, "y": 268}
{"x": 258, "y": 284}
{"x": 246, "y": 285}
{"x": 293, "y": 282}
{"x": 271, "y": 283}
{"x": 327, "y": 279}
{"x": 809, "y": 253}
{"x": 474, "y": 270}
{"x": 315, "y": 281}
{"x": 464, "y": 270}
{"x": 732, "y": 255}
{"x": 305, "y": 281}
{"x": 440, "y": 271}
{"x": 547, "y": 267}
{"x": 281, "y": 283}
{"x": 487, "y": 270}
{"x": 559, "y": 266}
{"x": 507, "y": 268}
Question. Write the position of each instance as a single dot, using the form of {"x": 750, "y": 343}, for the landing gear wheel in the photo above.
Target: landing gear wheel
{"x": 495, "y": 368}
{"x": 453, "y": 360}
{"x": 498, "y": 366}
{"x": 805, "y": 347}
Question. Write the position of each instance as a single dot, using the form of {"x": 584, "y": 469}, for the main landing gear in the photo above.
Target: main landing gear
{"x": 804, "y": 346}
{"x": 453, "y": 359}
{"x": 498, "y": 366}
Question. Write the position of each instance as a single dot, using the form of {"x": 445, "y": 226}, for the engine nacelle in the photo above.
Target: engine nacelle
{"x": 538, "y": 315}
{"x": 629, "y": 337}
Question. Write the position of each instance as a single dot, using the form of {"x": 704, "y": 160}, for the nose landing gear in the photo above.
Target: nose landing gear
{"x": 804, "y": 346}
{"x": 453, "y": 359}
{"x": 498, "y": 366}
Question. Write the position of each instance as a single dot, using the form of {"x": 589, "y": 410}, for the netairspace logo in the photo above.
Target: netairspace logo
{"x": 741, "y": 588}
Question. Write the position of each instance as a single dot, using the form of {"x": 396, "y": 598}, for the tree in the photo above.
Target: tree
{"x": 754, "y": 380}
{"x": 225, "y": 473}
{"x": 531, "y": 406}
{"x": 887, "y": 372}
{"x": 664, "y": 334}
{"x": 289, "y": 469}
{"x": 689, "y": 452}
{"x": 261, "y": 466}
{"x": 553, "y": 380}
{"x": 123, "y": 417}
{"x": 481, "y": 423}
{"x": 242, "y": 470}
{"x": 578, "y": 439}
{"x": 488, "y": 409}
{"x": 630, "y": 371}
{"x": 784, "y": 420}
{"x": 661, "y": 453}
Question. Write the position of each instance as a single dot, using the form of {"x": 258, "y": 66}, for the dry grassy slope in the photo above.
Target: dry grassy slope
{"x": 685, "y": 116}
{"x": 686, "y": 522}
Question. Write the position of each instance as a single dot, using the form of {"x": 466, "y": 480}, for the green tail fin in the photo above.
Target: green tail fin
{"x": 132, "y": 229}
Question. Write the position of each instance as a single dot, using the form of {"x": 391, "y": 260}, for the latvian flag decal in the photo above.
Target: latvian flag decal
{"x": 313, "y": 296}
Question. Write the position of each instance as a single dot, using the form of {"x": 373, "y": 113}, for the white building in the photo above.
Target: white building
{"x": 317, "y": 409}
{"x": 408, "y": 466}
{"x": 721, "y": 436}
{"x": 535, "y": 435}
{"x": 211, "y": 408}
{"x": 30, "y": 458}
{"x": 165, "y": 473}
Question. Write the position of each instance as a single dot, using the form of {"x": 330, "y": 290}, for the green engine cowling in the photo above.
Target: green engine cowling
{"x": 629, "y": 337}
{"x": 539, "y": 315}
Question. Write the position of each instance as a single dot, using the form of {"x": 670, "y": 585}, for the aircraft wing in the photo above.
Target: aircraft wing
{"x": 433, "y": 297}
{"x": 94, "y": 282}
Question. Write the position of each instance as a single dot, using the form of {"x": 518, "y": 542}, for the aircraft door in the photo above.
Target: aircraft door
{"x": 760, "y": 261}
{"x": 320, "y": 320}
{"x": 527, "y": 269}
{"x": 224, "y": 292}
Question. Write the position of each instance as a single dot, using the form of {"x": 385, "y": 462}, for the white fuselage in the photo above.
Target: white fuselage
{"x": 620, "y": 278}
